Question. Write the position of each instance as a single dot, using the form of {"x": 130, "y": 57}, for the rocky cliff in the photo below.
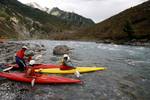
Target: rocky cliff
{"x": 21, "y": 21}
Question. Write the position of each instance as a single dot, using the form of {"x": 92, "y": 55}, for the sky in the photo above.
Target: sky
{"x": 97, "y": 10}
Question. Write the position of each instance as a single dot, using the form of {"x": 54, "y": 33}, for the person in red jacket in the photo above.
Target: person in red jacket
{"x": 20, "y": 58}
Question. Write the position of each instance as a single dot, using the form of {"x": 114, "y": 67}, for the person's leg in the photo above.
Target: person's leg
{"x": 28, "y": 72}
{"x": 20, "y": 63}
{"x": 71, "y": 66}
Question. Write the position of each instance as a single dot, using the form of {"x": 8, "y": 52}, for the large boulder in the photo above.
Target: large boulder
{"x": 61, "y": 49}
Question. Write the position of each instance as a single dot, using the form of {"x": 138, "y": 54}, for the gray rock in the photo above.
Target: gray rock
{"x": 61, "y": 49}
{"x": 9, "y": 49}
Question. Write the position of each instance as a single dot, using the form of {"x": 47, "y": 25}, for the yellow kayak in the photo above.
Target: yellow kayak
{"x": 72, "y": 71}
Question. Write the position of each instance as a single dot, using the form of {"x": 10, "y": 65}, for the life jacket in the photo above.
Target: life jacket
{"x": 20, "y": 53}
{"x": 65, "y": 66}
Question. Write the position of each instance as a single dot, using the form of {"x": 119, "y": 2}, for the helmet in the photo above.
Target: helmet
{"x": 24, "y": 47}
{"x": 66, "y": 57}
{"x": 32, "y": 62}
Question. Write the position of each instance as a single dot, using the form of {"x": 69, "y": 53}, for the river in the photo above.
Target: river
{"x": 127, "y": 76}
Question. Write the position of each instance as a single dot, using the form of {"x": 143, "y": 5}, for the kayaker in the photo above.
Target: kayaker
{"x": 66, "y": 63}
{"x": 30, "y": 69}
{"x": 30, "y": 73}
{"x": 20, "y": 57}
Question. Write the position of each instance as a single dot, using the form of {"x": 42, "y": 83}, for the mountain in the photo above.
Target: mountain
{"x": 131, "y": 24}
{"x": 36, "y": 5}
{"x": 71, "y": 18}
{"x": 21, "y": 21}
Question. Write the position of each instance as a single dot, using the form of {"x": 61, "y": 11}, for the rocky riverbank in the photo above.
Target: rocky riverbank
{"x": 8, "y": 50}
{"x": 10, "y": 90}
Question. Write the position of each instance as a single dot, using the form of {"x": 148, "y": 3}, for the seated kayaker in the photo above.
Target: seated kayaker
{"x": 66, "y": 63}
{"x": 30, "y": 73}
{"x": 30, "y": 70}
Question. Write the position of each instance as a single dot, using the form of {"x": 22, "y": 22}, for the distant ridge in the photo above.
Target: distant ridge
{"x": 133, "y": 23}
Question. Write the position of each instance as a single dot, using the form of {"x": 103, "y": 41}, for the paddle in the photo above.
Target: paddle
{"x": 77, "y": 73}
{"x": 33, "y": 82}
{"x": 6, "y": 69}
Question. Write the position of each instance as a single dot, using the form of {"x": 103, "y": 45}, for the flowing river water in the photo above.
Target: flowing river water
{"x": 127, "y": 76}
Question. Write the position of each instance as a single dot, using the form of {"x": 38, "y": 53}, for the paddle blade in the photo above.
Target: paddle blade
{"x": 33, "y": 82}
{"x": 77, "y": 73}
{"x": 7, "y": 69}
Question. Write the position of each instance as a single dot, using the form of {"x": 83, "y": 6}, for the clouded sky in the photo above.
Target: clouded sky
{"x": 97, "y": 10}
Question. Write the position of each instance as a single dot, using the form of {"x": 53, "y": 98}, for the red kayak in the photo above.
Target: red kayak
{"x": 42, "y": 79}
{"x": 36, "y": 66}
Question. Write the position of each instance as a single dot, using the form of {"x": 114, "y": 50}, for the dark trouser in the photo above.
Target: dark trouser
{"x": 21, "y": 63}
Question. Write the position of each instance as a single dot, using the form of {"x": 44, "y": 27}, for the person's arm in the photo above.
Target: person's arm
{"x": 29, "y": 58}
{"x": 69, "y": 63}
{"x": 60, "y": 62}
